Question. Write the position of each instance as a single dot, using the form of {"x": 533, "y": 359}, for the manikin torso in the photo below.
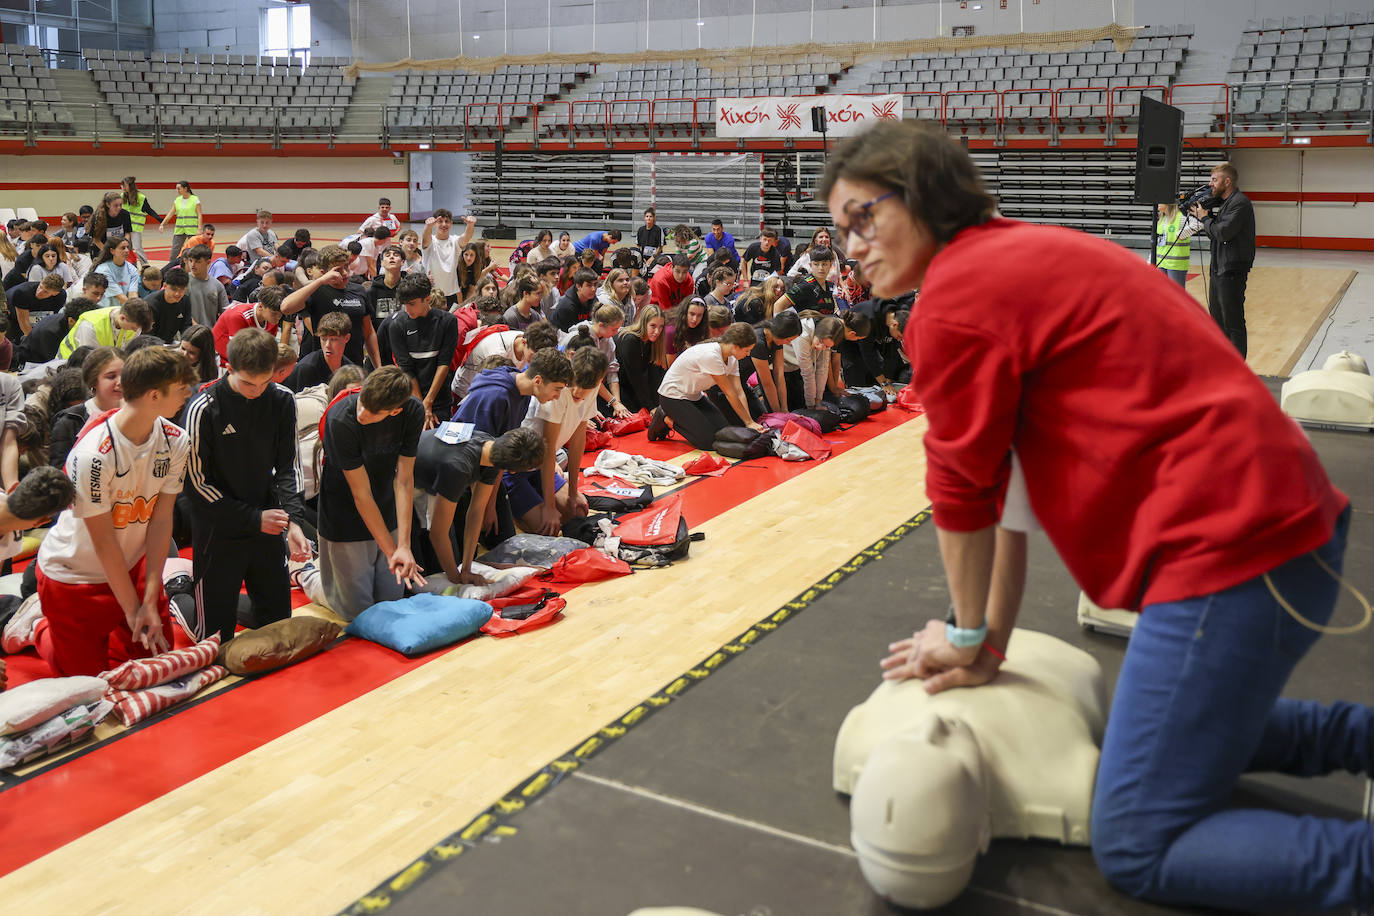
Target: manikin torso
{"x": 1341, "y": 392}
{"x": 1037, "y": 727}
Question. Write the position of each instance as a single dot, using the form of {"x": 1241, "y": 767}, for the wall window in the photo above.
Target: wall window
{"x": 285, "y": 32}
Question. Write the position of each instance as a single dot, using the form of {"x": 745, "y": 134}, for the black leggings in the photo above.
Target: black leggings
{"x": 696, "y": 421}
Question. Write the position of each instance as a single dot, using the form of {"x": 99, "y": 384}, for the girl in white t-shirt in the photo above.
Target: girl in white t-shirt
{"x": 682, "y": 404}
{"x": 543, "y": 247}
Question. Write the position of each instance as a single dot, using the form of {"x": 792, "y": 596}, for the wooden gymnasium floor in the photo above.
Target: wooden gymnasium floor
{"x": 359, "y": 780}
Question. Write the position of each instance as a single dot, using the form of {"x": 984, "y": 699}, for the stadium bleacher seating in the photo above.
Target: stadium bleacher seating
{"x": 439, "y": 103}
{"x": 625, "y": 103}
{"x": 1309, "y": 71}
{"x": 27, "y": 90}
{"x": 972, "y": 89}
{"x": 232, "y": 94}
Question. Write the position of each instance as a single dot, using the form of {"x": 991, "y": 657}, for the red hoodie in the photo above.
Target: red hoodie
{"x": 666, "y": 292}
{"x": 1158, "y": 464}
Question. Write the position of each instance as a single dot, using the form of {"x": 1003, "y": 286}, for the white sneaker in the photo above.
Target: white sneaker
{"x": 18, "y": 634}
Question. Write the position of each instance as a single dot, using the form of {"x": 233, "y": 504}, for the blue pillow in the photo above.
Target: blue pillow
{"x": 420, "y": 624}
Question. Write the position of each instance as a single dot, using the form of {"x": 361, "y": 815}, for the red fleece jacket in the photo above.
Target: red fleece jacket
{"x": 1158, "y": 464}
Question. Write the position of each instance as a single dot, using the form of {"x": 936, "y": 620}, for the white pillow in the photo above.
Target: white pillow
{"x": 28, "y": 704}
{"x": 499, "y": 582}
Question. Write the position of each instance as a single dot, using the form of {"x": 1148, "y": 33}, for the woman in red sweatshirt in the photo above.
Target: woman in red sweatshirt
{"x": 1169, "y": 481}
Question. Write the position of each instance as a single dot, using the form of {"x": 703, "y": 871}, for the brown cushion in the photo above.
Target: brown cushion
{"x": 277, "y": 644}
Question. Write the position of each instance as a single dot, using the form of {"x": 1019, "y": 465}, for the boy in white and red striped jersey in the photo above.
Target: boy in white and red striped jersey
{"x": 100, "y": 568}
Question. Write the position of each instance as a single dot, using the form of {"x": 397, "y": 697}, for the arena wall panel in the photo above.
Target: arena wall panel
{"x": 230, "y": 187}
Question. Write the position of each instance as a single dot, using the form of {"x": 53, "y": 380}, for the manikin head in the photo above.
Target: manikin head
{"x": 919, "y": 814}
{"x": 1345, "y": 361}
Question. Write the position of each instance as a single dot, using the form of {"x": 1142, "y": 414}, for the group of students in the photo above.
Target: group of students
{"x": 374, "y": 435}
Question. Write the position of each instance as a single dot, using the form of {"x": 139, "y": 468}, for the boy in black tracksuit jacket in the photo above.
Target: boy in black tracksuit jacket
{"x": 245, "y": 491}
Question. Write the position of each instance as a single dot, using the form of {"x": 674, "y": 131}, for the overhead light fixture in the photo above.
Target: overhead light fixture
{"x": 424, "y": 146}
{"x": 1305, "y": 141}
{"x": 475, "y": 37}
{"x": 701, "y": 22}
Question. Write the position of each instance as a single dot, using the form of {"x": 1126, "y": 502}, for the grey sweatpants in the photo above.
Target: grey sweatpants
{"x": 355, "y": 576}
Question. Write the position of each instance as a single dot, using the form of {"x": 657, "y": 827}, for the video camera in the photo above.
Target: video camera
{"x": 1203, "y": 196}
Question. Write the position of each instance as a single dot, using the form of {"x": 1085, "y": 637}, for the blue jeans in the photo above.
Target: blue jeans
{"x": 1197, "y": 704}
{"x": 1178, "y": 276}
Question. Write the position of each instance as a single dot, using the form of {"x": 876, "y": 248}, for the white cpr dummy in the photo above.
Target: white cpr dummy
{"x": 934, "y": 778}
{"x": 1340, "y": 393}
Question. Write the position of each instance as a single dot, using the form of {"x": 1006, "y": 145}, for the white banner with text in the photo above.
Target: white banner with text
{"x": 791, "y": 117}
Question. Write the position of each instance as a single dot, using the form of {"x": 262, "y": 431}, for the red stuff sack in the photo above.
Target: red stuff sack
{"x": 585, "y": 565}
{"x": 908, "y": 400}
{"x": 655, "y": 526}
{"x": 806, "y": 440}
{"x": 532, "y": 607}
{"x": 623, "y": 426}
{"x": 706, "y": 465}
{"x": 596, "y": 439}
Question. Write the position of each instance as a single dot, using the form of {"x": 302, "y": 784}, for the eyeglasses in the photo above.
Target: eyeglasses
{"x": 860, "y": 217}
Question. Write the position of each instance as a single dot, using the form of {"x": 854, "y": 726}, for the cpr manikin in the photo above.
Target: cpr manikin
{"x": 1341, "y": 392}
{"x": 935, "y": 778}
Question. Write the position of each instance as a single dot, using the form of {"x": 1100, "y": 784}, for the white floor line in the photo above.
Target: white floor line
{"x": 794, "y": 837}
{"x": 717, "y": 815}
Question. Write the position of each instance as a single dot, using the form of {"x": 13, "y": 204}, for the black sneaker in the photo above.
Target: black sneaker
{"x": 658, "y": 426}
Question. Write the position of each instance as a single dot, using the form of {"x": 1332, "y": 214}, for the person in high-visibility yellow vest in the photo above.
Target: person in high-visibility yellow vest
{"x": 136, "y": 203}
{"x": 189, "y": 218}
{"x": 1171, "y": 252}
{"x": 109, "y": 327}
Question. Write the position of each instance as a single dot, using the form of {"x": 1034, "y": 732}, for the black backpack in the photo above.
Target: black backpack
{"x": 827, "y": 416}
{"x": 612, "y": 497}
{"x": 743, "y": 443}
{"x": 853, "y": 408}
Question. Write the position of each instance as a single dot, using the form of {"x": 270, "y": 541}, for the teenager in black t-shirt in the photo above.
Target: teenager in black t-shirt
{"x": 40, "y": 296}
{"x": 761, "y": 259}
{"x": 171, "y": 308}
{"x": 649, "y": 237}
{"x": 423, "y": 339}
{"x": 367, "y": 492}
{"x": 41, "y": 344}
{"x": 769, "y": 362}
{"x": 332, "y": 292}
{"x": 577, "y": 303}
{"x": 812, "y": 293}
{"x": 318, "y": 368}
{"x": 383, "y": 288}
{"x": 465, "y": 474}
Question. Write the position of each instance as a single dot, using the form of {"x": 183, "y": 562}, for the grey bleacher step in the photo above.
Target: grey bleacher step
{"x": 361, "y": 113}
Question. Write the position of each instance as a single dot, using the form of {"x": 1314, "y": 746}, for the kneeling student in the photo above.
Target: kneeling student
{"x": 450, "y": 473}
{"x": 367, "y": 493}
{"x": 108, "y": 327}
{"x": 245, "y": 491}
{"x": 318, "y": 366}
{"x": 552, "y": 500}
{"x": 265, "y": 315}
{"x": 100, "y": 568}
{"x": 682, "y": 401}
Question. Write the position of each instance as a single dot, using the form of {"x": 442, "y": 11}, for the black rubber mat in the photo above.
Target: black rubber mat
{"x": 722, "y": 799}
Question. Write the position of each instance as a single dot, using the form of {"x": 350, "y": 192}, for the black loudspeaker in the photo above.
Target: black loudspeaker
{"x": 1158, "y": 153}
{"x": 818, "y": 118}
{"x": 500, "y": 230}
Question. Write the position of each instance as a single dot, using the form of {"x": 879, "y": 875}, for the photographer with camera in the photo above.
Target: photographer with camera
{"x": 1232, "y": 231}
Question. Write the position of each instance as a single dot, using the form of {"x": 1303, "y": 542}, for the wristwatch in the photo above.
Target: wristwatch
{"x": 961, "y": 638}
